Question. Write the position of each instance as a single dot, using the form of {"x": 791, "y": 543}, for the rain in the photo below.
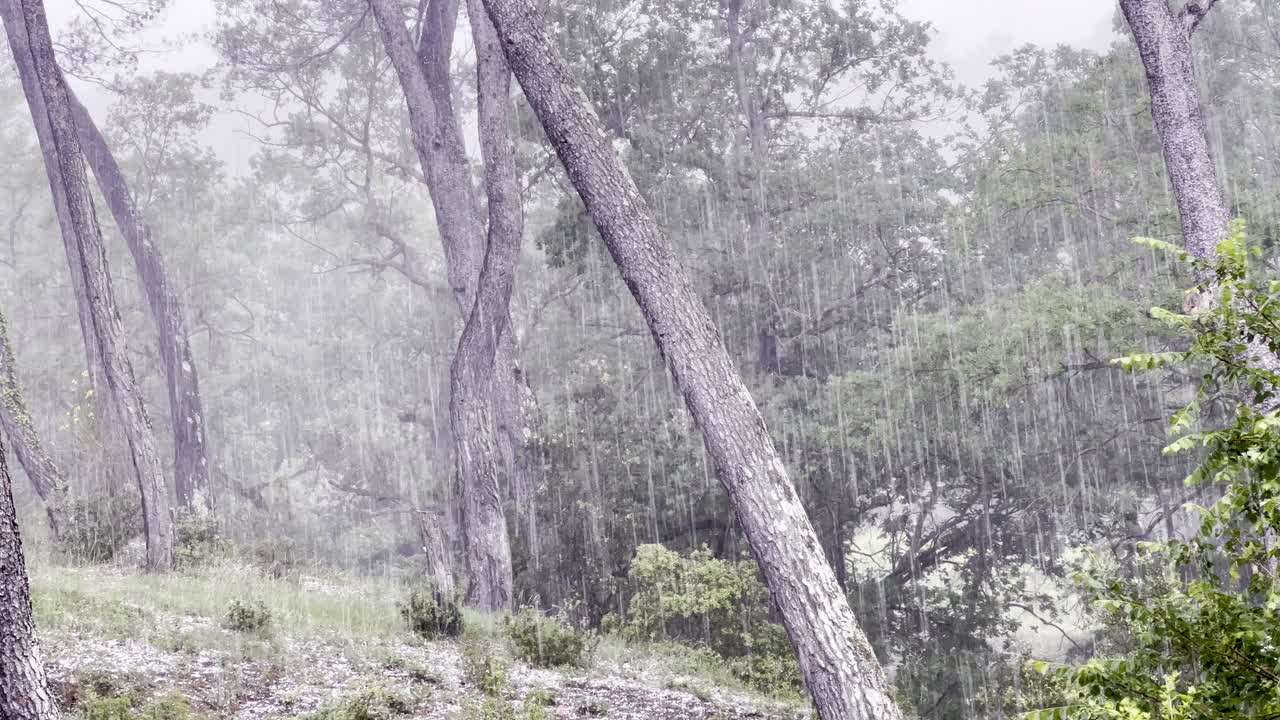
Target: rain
{"x": 513, "y": 360}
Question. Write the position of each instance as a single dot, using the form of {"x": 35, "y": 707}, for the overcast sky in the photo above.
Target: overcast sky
{"x": 969, "y": 34}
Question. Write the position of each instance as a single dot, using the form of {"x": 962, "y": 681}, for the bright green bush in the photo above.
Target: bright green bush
{"x": 546, "y": 641}
{"x": 482, "y": 665}
{"x": 372, "y": 704}
{"x": 717, "y": 603}
{"x": 431, "y": 614}
{"x": 198, "y": 543}
{"x": 248, "y": 617}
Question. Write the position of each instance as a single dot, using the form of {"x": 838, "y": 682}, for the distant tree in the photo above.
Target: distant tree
{"x": 24, "y": 689}
{"x": 839, "y": 667}
{"x": 50, "y": 106}
{"x": 186, "y": 409}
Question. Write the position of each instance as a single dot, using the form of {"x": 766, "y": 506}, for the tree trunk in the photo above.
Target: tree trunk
{"x": 1163, "y": 38}
{"x": 1164, "y": 42}
{"x": 435, "y": 545}
{"x": 17, "y": 425}
{"x": 838, "y": 664}
{"x": 47, "y": 98}
{"x": 191, "y": 460}
{"x": 474, "y": 403}
{"x": 24, "y": 689}
{"x": 116, "y": 466}
{"x": 437, "y": 137}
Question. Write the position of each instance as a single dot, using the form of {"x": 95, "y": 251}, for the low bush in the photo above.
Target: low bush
{"x": 99, "y": 526}
{"x": 432, "y": 614}
{"x": 372, "y": 704}
{"x": 482, "y": 665}
{"x": 546, "y": 641}
{"x": 277, "y": 558}
{"x": 248, "y": 617}
{"x": 199, "y": 542}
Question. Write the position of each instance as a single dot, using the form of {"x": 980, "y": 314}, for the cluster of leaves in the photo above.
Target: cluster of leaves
{"x": 199, "y": 541}
{"x": 432, "y": 614}
{"x": 1197, "y": 625}
{"x": 248, "y": 617}
{"x": 546, "y": 641}
{"x": 719, "y": 603}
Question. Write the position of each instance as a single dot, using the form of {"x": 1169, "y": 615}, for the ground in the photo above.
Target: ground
{"x": 109, "y": 631}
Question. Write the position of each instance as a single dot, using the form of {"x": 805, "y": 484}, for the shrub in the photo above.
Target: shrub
{"x": 199, "y": 542}
{"x": 431, "y": 614}
{"x": 248, "y": 617}
{"x": 481, "y": 664}
{"x": 99, "y": 526}
{"x": 494, "y": 707}
{"x": 278, "y": 557}
{"x": 545, "y": 641}
{"x": 372, "y": 704}
{"x": 718, "y": 603}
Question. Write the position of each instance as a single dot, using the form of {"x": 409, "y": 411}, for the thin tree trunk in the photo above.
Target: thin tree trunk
{"x": 28, "y": 33}
{"x": 24, "y": 689}
{"x": 838, "y": 664}
{"x": 16, "y": 422}
{"x": 191, "y": 459}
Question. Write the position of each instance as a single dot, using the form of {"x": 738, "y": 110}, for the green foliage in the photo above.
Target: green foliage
{"x": 1197, "y": 621}
{"x": 99, "y": 526}
{"x": 546, "y": 641}
{"x": 431, "y": 614}
{"x": 720, "y": 603}
{"x": 199, "y": 542}
{"x": 371, "y": 704}
{"x": 125, "y": 707}
{"x": 482, "y": 665}
{"x": 248, "y": 617}
{"x": 277, "y": 557}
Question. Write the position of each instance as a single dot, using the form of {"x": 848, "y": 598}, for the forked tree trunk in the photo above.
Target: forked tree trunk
{"x": 115, "y": 468}
{"x": 437, "y": 137}
{"x": 47, "y": 98}
{"x": 190, "y": 452}
{"x": 838, "y": 664}
{"x": 19, "y": 428}
{"x": 24, "y": 689}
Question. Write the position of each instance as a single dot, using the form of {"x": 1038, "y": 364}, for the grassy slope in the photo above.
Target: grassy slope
{"x": 332, "y": 636}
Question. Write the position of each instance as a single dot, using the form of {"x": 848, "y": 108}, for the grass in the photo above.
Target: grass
{"x": 184, "y": 613}
{"x": 112, "y": 604}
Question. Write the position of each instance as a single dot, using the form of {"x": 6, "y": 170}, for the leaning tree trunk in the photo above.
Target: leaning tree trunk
{"x": 28, "y": 33}
{"x": 838, "y": 664}
{"x": 191, "y": 459}
{"x": 24, "y": 689}
{"x": 1163, "y": 37}
{"x": 115, "y": 467}
{"x": 17, "y": 425}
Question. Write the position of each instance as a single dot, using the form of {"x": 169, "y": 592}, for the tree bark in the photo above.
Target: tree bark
{"x": 1164, "y": 42}
{"x": 116, "y": 465}
{"x": 17, "y": 425}
{"x": 47, "y": 97}
{"x": 1163, "y": 38}
{"x": 838, "y": 664}
{"x": 24, "y": 689}
{"x": 435, "y": 545}
{"x": 191, "y": 459}
{"x": 437, "y": 137}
